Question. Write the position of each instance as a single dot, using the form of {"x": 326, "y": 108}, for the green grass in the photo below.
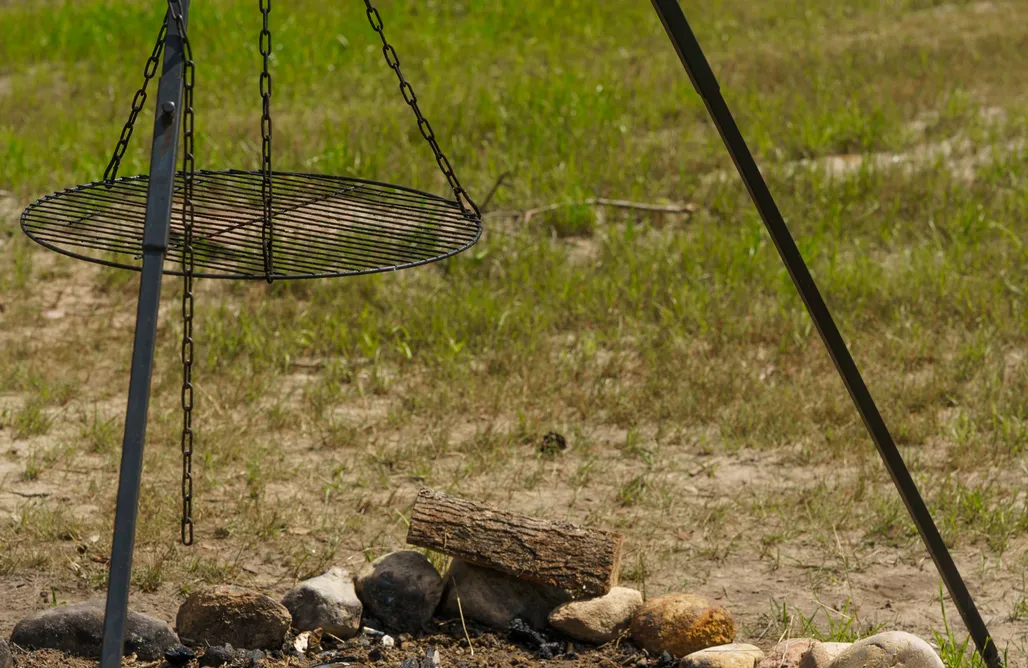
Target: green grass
{"x": 702, "y": 415}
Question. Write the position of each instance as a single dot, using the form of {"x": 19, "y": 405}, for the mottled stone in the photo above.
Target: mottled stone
{"x": 787, "y": 653}
{"x": 228, "y": 615}
{"x": 681, "y": 624}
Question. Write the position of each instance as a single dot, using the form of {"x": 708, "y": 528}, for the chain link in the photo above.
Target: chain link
{"x": 138, "y": 100}
{"x": 463, "y": 198}
{"x": 267, "y": 228}
{"x": 188, "y": 79}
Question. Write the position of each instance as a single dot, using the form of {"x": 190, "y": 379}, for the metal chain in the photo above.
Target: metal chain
{"x": 149, "y": 71}
{"x": 407, "y": 91}
{"x": 188, "y": 78}
{"x": 267, "y": 228}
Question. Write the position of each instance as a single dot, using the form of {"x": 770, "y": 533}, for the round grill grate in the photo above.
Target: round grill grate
{"x": 323, "y": 225}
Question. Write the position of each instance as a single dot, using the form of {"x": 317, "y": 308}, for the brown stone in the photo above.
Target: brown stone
{"x": 681, "y": 624}
{"x": 228, "y": 615}
{"x": 787, "y": 653}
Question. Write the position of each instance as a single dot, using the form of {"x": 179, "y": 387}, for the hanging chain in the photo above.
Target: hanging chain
{"x": 461, "y": 195}
{"x": 188, "y": 78}
{"x": 267, "y": 229}
{"x": 149, "y": 71}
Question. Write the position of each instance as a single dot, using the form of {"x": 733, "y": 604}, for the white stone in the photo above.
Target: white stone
{"x": 598, "y": 620}
{"x": 821, "y": 654}
{"x": 327, "y": 602}
{"x": 734, "y": 655}
{"x": 894, "y": 649}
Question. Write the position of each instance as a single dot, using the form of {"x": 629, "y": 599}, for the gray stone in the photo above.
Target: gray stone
{"x": 787, "y": 653}
{"x": 401, "y": 589}
{"x": 821, "y": 654}
{"x": 5, "y": 654}
{"x": 327, "y": 602}
{"x": 227, "y": 615}
{"x": 598, "y": 620}
{"x": 735, "y": 655}
{"x": 895, "y": 649}
{"x": 681, "y": 624}
{"x": 219, "y": 656}
{"x": 78, "y": 630}
{"x": 496, "y": 599}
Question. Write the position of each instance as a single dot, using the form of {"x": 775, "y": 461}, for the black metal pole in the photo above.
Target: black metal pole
{"x": 706, "y": 85}
{"x": 155, "y": 244}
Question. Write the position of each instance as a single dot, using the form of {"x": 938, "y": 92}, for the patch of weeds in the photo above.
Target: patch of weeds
{"x": 1020, "y": 611}
{"x": 573, "y": 220}
{"x": 33, "y": 468}
{"x": 824, "y": 624}
{"x": 97, "y": 434}
{"x": 633, "y": 491}
{"x": 842, "y": 625}
{"x": 31, "y": 420}
{"x": 954, "y": 653}
{"x": 150, "y": 574}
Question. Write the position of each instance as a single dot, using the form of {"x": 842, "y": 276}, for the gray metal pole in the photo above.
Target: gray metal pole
{"x": 703, "y": 80}
{"x": 155, "y": 244}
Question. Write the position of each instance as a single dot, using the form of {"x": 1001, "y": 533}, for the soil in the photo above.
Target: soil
{"x": 447, "y": 640}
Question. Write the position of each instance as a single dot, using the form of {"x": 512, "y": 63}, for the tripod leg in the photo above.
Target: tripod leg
{"x": 155, "y": 244}
{"x": 706, "y": 85}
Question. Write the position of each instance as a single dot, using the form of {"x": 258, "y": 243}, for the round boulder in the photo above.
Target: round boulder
{"x": 681, "y": 624}
{"x": 401, "y": 589}
{"x": 78, "y": 629}
{"x": 496, "y": 599}
{"x": 228, "y": 615}
{"x": 896, "y": 649}
{"x": 598, "y": 620}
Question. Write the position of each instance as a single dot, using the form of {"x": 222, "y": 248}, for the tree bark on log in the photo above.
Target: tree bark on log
{"x": 558, "y": 554}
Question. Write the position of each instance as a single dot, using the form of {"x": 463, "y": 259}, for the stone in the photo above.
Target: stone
{"x": 328, "y": 602}
{"x": 5, "y": 654}
{"x": 229, "y": 615}
{"x": 787, "y": 653}
{"x": 496, "y": 599}
{"x": 821, "y": 654}
{"x": 735, "y": 655}
{"x": 179, "y": 656}
{"x": 78, "y": 630}
{"x": 681, "y": 624}
{"x": 895, "y": 649}
{"x": 401, "y": 590}
{"x": 219, "y": 656}
{"x": 598, "y": 620}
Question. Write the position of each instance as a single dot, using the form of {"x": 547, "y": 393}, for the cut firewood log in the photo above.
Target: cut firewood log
{"x": 580, "y": 561}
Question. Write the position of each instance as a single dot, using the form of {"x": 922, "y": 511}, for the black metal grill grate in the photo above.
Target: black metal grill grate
{"x": 324, "y": 225}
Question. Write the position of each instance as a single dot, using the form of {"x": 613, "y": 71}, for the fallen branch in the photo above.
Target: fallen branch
{"x": 527, "y": 215}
